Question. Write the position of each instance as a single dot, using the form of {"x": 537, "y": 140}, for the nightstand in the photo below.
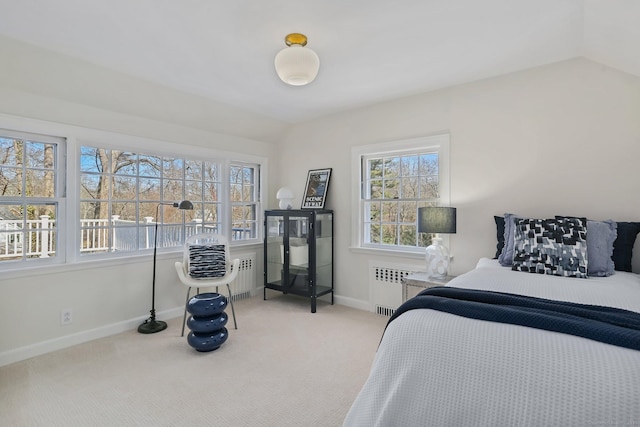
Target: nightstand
{"x": 413, "y": 283}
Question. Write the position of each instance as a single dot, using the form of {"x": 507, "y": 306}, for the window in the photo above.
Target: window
{"x": 31, "y": 183}
{"x": 394, "y": 180}
{"x": 123, "y": 194}
{"x": 117, "y": 198}
{"x": 244, "y": 193}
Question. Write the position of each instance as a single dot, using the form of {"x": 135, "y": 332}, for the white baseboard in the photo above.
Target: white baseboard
{"x": 353, "y": 303}
{"x": 33, "y": 350}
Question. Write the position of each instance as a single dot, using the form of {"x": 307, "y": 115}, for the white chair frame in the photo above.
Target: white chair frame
{"x": 232, "y": 267}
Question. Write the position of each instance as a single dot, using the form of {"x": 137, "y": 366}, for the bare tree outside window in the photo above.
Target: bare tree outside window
{"x": 28, "y": 199}
{"x": 123, "y": 194}
{"x": 244, "y": 194}
{"x": 394, "y": 187}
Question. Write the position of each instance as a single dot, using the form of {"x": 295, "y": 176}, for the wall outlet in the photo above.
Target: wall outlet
{"x": 66, "y": 316}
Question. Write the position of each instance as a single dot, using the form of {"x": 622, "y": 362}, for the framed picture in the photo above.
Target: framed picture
{"x": 315, "y": 193}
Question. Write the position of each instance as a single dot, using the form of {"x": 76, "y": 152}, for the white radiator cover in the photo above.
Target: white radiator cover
{"x": 385, "y": 285}
{"x": 245, "y": 282}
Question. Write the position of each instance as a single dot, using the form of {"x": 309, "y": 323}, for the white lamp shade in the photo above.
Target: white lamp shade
{"x": 297, "y": 65}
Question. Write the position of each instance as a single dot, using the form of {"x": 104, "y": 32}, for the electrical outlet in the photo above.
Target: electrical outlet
{"x": 66, "y": 316}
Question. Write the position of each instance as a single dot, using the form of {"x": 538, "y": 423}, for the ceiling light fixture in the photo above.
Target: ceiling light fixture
{"x": 296, "y": 64}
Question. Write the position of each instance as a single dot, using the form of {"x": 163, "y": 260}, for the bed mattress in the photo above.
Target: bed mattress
{"x": 438, "y": 369}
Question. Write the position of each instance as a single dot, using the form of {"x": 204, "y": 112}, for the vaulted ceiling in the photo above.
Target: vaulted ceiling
{"x": 370, "y": 50}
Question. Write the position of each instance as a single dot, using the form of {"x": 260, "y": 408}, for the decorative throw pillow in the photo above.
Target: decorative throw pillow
{"x": 551, "y": 246}
{"x": 207, "y": 261}
{"x": 499, "y": 234}
{"x": 506, "y": 256}
{"x": 623, "y": 246}
{"x": 600, "y": 238}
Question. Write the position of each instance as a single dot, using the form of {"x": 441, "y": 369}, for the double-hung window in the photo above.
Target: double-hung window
{"x": 31, "y": 195}
{"x": 394, "y": 180}
{"x": 244, "y": 193}
{"x": 118, "y": 201}
{"x": 125, "y": 196}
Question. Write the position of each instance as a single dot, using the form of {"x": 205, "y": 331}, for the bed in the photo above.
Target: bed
{"x": 435, "y": 368}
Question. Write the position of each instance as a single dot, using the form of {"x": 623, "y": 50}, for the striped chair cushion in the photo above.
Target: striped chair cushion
{"x": 207, "y": 261}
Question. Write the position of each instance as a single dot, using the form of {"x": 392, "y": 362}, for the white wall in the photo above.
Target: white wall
{"x": 53, "y": 78}
{"x": 106, "y": 297}
{"x": 559, "y": 139}
{"x": 111, "y": 296}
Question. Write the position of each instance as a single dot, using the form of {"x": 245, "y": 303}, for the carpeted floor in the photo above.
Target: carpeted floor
{"x": 283, "y": 367}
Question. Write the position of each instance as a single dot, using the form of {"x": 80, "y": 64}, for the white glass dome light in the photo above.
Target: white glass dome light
{"x": 296, "y": 64}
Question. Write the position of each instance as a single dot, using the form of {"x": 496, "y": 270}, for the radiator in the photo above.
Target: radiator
{"x": 385, "y": 285}
{"x": 245, "y": 282}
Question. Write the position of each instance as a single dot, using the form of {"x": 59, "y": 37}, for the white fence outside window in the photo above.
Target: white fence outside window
{"x": 41, "y": 235}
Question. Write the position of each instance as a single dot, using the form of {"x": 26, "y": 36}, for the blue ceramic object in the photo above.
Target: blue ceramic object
{"x": 205, "y": 325}
{"x": 207, "y": 304}
{"x": 208, "y": 342}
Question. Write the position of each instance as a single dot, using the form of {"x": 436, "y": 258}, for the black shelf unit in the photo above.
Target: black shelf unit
{"x": 298, "y": 252}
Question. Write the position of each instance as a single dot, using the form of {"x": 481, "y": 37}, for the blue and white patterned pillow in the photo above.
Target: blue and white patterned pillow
{"x": 505, "y": 258}
{"x": 551, "y": 246}
{"x": 207, "y": 261}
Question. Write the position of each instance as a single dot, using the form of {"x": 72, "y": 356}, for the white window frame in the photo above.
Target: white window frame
{"x": 223, "y": 158}
{"x": 69, "y": 227}
{"x": 255, "y": 202}
{"x": 438, "y": 143}
{"x": 58, "y": 199}
{"x": 136, "y": 173}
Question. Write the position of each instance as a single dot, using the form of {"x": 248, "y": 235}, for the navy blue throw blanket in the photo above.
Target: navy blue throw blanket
{"x": 605, "y": 324}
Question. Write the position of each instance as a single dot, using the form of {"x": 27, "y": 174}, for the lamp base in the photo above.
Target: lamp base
{"x": 151, "y": 326}
{"x": 437, "y": 257}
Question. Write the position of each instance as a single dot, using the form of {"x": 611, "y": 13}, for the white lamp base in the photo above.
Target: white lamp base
{"x": 285, "y": 203}
{"x": 437, "y": 257}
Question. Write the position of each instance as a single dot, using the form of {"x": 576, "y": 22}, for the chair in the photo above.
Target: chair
{"x": 206, "y": 263}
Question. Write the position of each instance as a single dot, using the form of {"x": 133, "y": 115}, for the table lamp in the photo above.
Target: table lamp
{"x": 437, "y": 220}
{"x": 285, "y": 198}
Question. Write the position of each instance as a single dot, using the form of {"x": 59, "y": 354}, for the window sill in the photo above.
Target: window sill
{"x": 239, "y": 244}
{"x": 29, "y": 269}
{"x": 388, "y": 252}
{"x": 89, "y": 262}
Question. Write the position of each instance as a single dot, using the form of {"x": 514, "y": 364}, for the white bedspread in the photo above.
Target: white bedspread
{"x": 438, "y": 369}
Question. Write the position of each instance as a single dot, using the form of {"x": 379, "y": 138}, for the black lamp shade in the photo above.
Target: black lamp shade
{"x": 185, "y": 204}
{"x": 436, "y": 220}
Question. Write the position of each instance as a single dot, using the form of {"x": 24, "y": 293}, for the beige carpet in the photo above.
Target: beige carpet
{"x": 283, "y": 367}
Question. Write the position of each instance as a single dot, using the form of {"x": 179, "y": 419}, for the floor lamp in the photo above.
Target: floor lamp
{"x": 151, "y": 325}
